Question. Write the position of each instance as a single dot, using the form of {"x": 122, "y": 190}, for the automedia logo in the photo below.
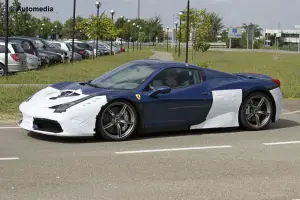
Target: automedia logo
{"x": 31, "y": 9}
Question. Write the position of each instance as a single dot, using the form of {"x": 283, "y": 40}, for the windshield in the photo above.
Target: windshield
{"x": 53, "y": 45}
{"x": 126, "y": 77}
{"x": 45, "y": 43}
{"x": 83, "y": 45}
{"x": 17, "y": 48}
{"x": 57, "y": 44}
{"x": 40, "y": 44}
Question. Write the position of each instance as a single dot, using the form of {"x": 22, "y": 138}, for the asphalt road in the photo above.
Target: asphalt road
{"x": 210, "y": 165}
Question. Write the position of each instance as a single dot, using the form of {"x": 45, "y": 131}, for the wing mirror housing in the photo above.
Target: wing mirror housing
{"x": 160, "y": 90}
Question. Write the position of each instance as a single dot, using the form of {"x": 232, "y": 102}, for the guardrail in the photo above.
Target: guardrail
{"x": 183, "y": 45}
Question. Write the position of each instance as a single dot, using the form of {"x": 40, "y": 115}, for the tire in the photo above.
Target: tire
{"x": 256, "y": 107}
{"x": 110, "y": 120}
{"x": 1, "y": 70}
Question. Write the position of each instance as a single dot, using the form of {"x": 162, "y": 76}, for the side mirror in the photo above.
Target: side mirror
{"x": 160, "y": 90}
{"x": 89, "y": 81}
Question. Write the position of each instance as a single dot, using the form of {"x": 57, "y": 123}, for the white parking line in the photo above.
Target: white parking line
{"x": 173, "y": 149}
{"x": 10, "y": 127}
{"x": 290, "y": 113}
{"x": 278, "y": 143}
{"x": 10, "y": 158}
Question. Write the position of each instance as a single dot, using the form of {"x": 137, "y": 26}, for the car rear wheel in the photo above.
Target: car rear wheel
{"x": 117, "y": 121}
{"x": 256, "y": 111}
{"x": 1, "y": 70}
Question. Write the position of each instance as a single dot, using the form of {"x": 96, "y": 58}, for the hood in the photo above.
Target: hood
{"x": 84, "y": 88}
{"x": 65, "y": 92}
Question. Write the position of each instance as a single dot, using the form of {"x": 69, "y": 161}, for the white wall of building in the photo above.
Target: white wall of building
{"x": 288, "y": 35}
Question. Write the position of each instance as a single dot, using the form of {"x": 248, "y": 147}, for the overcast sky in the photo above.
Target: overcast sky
{"x": 266, "y": 13}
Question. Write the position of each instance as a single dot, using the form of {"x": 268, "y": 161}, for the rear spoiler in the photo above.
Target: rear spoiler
{"x": 257, "y": 76}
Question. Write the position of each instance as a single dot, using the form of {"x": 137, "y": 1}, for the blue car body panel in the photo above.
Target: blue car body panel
{"x": 182, "y": 107}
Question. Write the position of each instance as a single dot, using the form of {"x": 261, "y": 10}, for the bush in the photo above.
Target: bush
{"x": 199, "y": 45}
{"x": 205, "y": 64}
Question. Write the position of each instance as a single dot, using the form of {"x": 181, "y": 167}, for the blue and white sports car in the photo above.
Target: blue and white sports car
{"x": 153, "y": 96}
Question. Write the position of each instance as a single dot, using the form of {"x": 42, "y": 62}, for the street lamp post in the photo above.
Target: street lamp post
{"x": 138, "y": 34}
{"x": 52, "y": 33}
{"x": 167, "y": 38}
{"x": 55, "y": 32}
{"x": 43, "y": 32}
{"x": 140, "y": 42}
{"x": 97, "y": 4}
{"x": 176, "y": 25}
{"x": 73, "y": 31}
{"x": 133, "y": 35}
{"x": 112, "y": 12}
{"x": 180, "y": 13}
{"x": 173, "y": 28}
{"x": 187, "y": 32}
{"x": 5, "y": 70}
{"x": 128, "y": 21}
{"x": 122, "y": 24}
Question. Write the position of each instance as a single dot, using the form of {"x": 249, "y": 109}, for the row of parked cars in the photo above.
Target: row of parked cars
{"x": 28, "y": 53}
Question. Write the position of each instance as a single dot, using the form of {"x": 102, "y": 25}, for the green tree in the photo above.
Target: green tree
{"x": 101, "y": 27}
{"x": 57, "y": 26}
{"x": 216, "y": 26}
{"x": 201, "y": 20}
{"x": 2, "y": 20}
{"x": 154, "y": 28}
{"x": 67, "y": 30}
{"x": 142, "y": 37}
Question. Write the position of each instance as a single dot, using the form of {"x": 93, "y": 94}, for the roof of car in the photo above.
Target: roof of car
{"x": 162, "y": 63}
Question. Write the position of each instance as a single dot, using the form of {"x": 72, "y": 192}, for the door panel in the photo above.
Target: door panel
{"x": 182, "y": 106}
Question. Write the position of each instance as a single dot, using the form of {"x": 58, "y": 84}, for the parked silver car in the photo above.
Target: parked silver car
{"x": 33, "y": 62}
{"x": 17, "y": 60}
{"x": 64, "y": 46}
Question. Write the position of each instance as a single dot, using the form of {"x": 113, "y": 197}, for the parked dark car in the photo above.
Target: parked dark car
{"x": 54, "y": 58}
{"x": 102, "y": 50}
{"x": 83, "y": 45}
{"x": 78, "y": 50}
{"x": 43, "y": 45}
{"x": 29, "y": 46}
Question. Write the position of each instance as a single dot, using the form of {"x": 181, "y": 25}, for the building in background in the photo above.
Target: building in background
{"x": 287, "y": 36}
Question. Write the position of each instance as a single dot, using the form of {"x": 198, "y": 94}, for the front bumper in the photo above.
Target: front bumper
{"x": 79, "y": 120}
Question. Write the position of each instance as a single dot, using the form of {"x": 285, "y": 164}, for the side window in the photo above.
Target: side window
{"x": 176, "y": 78}
{"x": 2, "y": 49}
{"x": 58, "y": 44}
{"x": 39, "y": 44}
{"x": 25, "y": 45}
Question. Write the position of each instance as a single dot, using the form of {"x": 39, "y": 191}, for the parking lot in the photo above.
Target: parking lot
{"x": 214, "y": 164}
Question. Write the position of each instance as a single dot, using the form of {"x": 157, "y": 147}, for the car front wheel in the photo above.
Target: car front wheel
{"x": 256, "y": 111}
{"x": 1, "y": 70}
{"x": 117, "y": 121}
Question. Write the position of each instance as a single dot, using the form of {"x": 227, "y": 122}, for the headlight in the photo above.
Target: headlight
{"x": 63, "y": 107}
